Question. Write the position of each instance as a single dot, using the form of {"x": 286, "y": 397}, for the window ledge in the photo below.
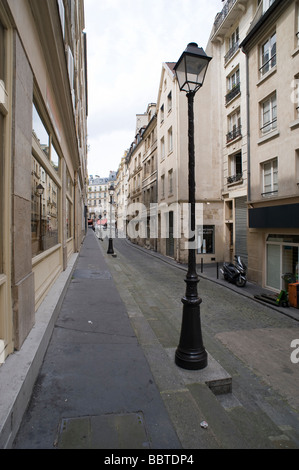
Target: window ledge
{"x": 296, "y": 51}
{"x": 267, "y": 75}
{"x": 267, "y": 137}
{"x": 294, "y": 124}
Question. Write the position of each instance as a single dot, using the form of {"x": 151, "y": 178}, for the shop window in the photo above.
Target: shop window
{"x": 1, "y": 186}
{"x": 2, "y": 52}
{"x": 44, "y": 210}
{"x": 282, "y": 260}
{"x": 40, "y": 132}
{"x": 55, "y": 159}
{"x": 68, "y": 221}
{"x": 206, "y": 239}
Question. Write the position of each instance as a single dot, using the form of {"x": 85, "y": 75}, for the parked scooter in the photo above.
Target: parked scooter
{"x": 235, "y": 273}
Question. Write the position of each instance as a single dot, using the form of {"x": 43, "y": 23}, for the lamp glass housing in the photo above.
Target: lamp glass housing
{"x": 39, "y": 190}
{"x": 191, "y": 68}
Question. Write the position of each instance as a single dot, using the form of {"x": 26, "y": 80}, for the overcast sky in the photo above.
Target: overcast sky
{"x": 128, "y": 40}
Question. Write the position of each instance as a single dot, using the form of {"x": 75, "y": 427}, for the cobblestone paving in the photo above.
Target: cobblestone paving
{"x": 249, "y": 340}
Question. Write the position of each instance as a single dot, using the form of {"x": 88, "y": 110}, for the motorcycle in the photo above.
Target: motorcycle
{"x": 235, "y": 273}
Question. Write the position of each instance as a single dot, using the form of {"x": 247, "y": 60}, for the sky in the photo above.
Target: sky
{"x": 127, "y": 43}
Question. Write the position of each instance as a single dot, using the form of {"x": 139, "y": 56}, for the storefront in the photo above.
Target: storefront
{"x": 281, "y": 260}
{"x": 274, "y": 252}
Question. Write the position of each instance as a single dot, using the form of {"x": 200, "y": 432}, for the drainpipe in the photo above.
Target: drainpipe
{"x": 248, "y": 130}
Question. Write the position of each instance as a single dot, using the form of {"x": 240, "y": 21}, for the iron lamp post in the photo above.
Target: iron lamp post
{"x": 190, "y": 71}
{"x": 110, "y": 245}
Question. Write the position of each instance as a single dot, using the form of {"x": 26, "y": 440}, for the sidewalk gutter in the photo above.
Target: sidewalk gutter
{"x": 19, "y": 372}
{"x": 249, "y": 291}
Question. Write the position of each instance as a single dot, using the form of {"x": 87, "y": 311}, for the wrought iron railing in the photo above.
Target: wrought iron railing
{"x": 235, "y": 178}
{"x": 233, "y": 92}
{"x": 236, "y": 132}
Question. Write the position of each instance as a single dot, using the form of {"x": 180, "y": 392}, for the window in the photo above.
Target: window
{"x": 40, "y": 132}
{"x": 268, "y": 54}
{"x": 55, "y": 159}
{"x": 233, "y": 45}
{"x": 169, "y": 102}
{"x": 44, "y": 210}
{"x": 267, "y": 4}
{"x": 162, "y": 148}
{"x": 236, "y": 171}
{"x": 2, "y": 52}
{"x": 234, "y": 126}
{"x": 270, "y": 177}
{"x": 269, "y": 114}
{"x": 162, "y": 186}
{"x": 233, "y": 85}
{"x": 62, "y": 15}
{"x": 170, "y": 140}
{"x": 1, "y": 185}
{"x": 162, "y": 114}
{"x": 2, "y": 120}
{"x": 170, "y": 181}
{"x": 206, "y": 239}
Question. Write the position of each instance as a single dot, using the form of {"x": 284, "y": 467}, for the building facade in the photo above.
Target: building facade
{"x": 98, "y": 199}
{"x": 272, "y": 53}
{"x": 43, "y": 154}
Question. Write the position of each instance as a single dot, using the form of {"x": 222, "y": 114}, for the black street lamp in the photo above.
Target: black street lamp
{"x": 110, "y": 246}
{"x": 190, "y": 71}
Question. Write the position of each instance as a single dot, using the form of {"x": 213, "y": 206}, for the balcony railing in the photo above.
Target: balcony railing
{"x": 235, "y": 178}
{"x": 225, "y": 11}
{"x": 236, "y": 132}
{"x": 233, "y": 93}
{"x": 231, "y": 52}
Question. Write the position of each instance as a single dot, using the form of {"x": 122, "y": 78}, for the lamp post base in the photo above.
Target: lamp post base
{"x": 191, "y": 354}
{"x": 110, "y": 247}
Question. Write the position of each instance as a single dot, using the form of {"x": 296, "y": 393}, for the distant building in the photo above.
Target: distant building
{"x": 98, "y": 199}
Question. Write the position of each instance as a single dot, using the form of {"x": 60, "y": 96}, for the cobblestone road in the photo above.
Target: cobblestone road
{"x": 249, "y": 340}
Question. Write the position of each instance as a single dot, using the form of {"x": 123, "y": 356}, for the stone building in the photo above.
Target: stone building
{"x": 43, "y": 154}
{"x": 272, "y": 54}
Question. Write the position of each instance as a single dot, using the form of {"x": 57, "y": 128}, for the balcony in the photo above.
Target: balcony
{"x": 231, "y": 52}
{"x": 225, "y": 11}
{"x": 232, "y": 135}
{"x": 238, "y": 178}
{"x": 235, "y": 91}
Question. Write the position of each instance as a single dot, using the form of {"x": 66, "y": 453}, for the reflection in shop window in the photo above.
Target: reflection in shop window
{"x": 44, "y": 210}
{"x": 40, "y": 132}
{"x": 2, "y": 52}
{"x": 68, "y": 219}
{"x": 1, "y": 186}
{"x": 55, "y": 159}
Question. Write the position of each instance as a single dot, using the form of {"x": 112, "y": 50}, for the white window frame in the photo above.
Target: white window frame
{"x": 170, "y": 140}
{"x": 268, "y": 57}
{"x": 270, "y": 170}
{"x": 269, "y": 114}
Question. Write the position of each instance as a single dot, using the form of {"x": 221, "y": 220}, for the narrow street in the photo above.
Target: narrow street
{"x": 109, "y": 380}
{"x": 249, "y": 340}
